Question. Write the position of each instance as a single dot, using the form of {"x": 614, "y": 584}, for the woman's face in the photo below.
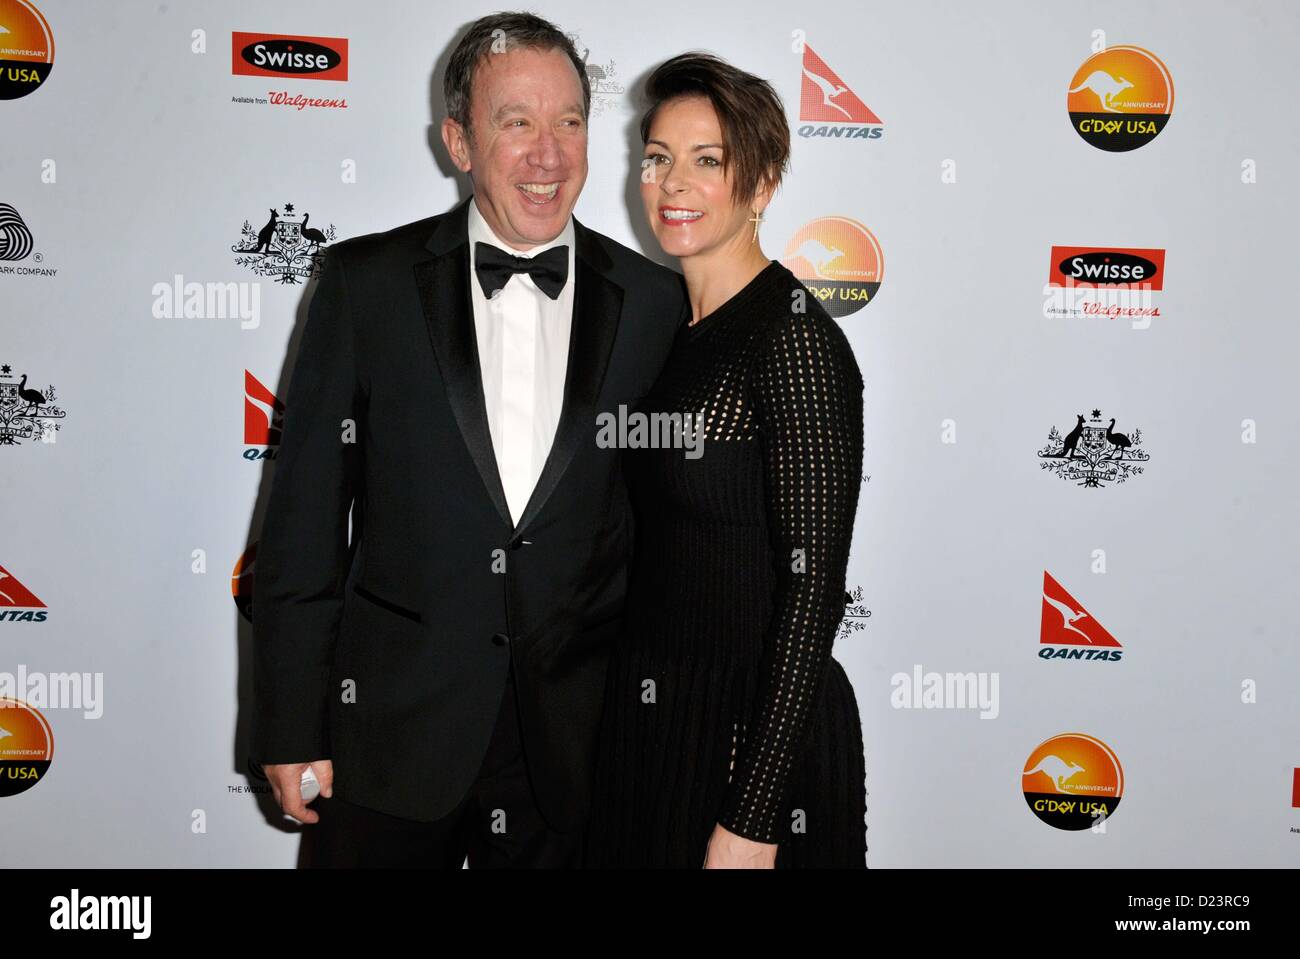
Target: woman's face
{"x": 687, "y": 197}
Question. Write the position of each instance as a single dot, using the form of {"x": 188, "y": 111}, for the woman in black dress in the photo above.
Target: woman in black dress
{"x": 730, "y": 736}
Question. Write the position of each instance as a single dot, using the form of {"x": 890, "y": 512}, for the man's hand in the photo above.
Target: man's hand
{"x": 729, "y": 851}
{"x": 286, "y": 783}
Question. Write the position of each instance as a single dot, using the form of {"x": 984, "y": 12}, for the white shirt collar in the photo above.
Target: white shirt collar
{"x": 479, "y": 231}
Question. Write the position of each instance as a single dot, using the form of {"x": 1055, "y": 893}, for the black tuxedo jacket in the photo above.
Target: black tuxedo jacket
{"x": 419, "y": 616}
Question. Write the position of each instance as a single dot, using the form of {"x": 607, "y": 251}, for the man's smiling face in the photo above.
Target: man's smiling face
{"x": 528, "y": 154}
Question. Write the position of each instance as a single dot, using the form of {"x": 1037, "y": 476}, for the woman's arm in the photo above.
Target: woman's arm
{"x": 807, "y": 396}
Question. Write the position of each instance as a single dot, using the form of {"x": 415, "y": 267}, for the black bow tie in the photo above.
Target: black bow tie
{"x": 494, "y": 266}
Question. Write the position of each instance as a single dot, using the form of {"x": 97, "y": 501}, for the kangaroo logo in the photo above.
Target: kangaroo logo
{"x": 1084, "y": 781}
{"x": 825, "y": 98}
{"x": 838, "y": 260}
{"x": 1105, "y": 87}
{"x": 829, "y": 91}
{"x": 818, "y": 255}
{"x": 1069, "y": 616}
{"x": 1056, "y": 769}
{"x": 1065, "y": 622}
{"x": 1120, "y": 98}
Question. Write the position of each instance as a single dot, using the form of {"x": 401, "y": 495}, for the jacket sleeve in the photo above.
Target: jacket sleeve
{"x": 807, "y": 400}
{"x": 303, "y": 552}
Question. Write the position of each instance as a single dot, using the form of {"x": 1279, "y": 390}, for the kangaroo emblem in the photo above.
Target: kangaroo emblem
{"x": 1106, "y": 87}
{"x": 829, "y": 91}
{"x": 1057, "y": 769}
{"x": 1072, "y": 439}
{"x": 264, "y": 236}
{"x": 819, "y": 255}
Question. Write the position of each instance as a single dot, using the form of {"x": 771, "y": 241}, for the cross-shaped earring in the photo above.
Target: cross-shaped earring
{"x": 756, "y": 219}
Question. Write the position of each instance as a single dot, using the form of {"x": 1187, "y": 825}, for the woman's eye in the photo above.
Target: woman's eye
{"x": 708, "y": 161}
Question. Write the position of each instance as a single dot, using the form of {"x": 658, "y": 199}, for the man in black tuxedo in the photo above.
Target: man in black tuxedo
{"x": 443, "y": 673}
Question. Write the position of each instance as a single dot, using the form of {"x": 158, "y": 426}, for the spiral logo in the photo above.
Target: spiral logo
{"x": 15, "y": 238}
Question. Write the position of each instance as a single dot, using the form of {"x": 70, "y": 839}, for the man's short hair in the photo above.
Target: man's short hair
{"x": 496, "y": 33}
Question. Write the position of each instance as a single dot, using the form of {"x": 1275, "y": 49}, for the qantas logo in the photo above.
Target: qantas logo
{"x": 263, "y": 415}
{"x": 828, "y": 108}
{"x": 1067, "y": 623}
{"x": 17, "y": 602}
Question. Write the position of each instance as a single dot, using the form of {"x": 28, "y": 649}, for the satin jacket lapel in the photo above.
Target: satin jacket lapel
{"x": 597, "y": 305}
{"x": 444, "y": 293}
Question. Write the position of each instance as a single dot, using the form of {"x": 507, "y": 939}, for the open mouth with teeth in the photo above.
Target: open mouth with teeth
{"x": 677, "y": 216}
{"x": 539, "y": 194}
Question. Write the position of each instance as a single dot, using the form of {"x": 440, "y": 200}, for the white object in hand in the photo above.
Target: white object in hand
{"x": 310, "y": 785}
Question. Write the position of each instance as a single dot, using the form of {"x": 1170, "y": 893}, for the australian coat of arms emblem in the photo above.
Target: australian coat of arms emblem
{"x": 1093, "y": 454}
{"x": 284, "y": 247}
{"x": 26, "y": 413}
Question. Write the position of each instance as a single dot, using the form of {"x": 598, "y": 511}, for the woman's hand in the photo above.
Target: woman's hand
{"x": 728, "y": 851}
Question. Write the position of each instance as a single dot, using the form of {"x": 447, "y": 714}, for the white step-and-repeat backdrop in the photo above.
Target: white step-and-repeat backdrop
{"x": 1058, "y": 236}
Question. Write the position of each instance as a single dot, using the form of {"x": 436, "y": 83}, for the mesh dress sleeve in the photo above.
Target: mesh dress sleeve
{"x": 807, "y": 401}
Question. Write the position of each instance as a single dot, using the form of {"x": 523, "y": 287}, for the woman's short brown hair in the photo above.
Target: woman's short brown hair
{"x": 755, "y": 136}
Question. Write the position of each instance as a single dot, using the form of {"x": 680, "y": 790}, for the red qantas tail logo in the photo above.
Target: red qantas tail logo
{"x": 824, "y": 96}
{"x": 263, "y": 413}
{"x": 14, "y": 593}
{"x": 1066, "y": 622}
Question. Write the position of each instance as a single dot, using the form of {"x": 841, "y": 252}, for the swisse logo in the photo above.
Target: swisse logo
{"x": 279, "y": 55}
{"x": 284, "y": 56}
{"x": 1090, "y": 266}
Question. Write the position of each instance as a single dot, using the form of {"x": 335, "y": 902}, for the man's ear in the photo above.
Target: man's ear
{"x": 457, "y": 144}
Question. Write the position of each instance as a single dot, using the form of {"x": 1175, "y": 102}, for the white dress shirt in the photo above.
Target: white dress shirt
{"x": 523, "y": 352}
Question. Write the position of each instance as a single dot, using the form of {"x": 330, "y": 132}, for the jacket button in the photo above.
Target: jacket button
{"x": 517, "y": 543}
{"x": 500, "y": 639}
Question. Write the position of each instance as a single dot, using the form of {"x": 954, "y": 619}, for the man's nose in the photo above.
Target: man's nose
{"x": 545, "y": 150}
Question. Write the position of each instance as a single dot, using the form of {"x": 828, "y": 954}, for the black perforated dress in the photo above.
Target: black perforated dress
{"x": 723, "y": 703}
